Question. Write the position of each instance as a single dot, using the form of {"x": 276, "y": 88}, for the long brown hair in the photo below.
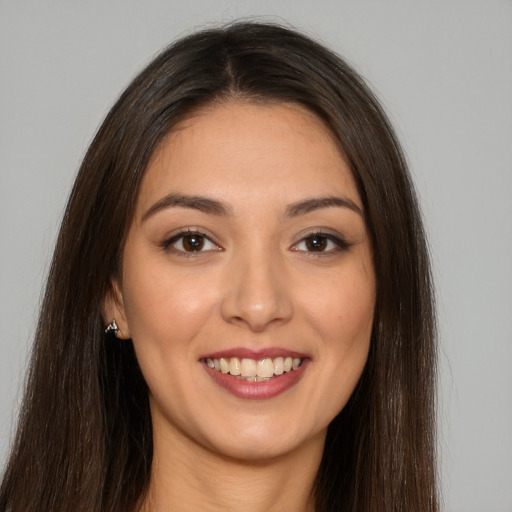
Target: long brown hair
{"x": 84, "y": 440}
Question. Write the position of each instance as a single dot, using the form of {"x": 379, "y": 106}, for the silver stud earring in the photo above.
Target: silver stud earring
{"x": 112, "y": 328}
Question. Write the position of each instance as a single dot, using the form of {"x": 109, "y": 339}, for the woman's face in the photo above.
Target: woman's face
{"x": 248, "y": 252}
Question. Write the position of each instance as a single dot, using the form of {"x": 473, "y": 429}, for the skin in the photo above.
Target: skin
{"x": 256, "y": 283}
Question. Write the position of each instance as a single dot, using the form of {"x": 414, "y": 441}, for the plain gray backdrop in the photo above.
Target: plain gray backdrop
{"x": 443, "y": 70}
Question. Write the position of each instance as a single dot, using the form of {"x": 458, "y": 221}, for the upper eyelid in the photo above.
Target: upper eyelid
{"x": 319, "y": 231}
{"x": 176, "y": 235}
{"x": 336, "y": 238}
{"x": 340, "y": 242}
{"x": 180, "y": 232}
{"x": 331, "y": 234}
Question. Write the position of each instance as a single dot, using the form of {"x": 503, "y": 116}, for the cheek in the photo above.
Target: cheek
{"x": 344, "y": 322}
{"x": 341, "y": 312}
{"x": 166, "y": 308}
{"x": 342, "y": 307}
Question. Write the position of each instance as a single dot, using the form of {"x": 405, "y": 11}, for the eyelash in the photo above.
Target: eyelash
{"x": 340, "y": 244}
{"x": 168, "y": 243}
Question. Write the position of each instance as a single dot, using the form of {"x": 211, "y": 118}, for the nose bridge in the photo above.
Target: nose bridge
{"x": 257, "y": 295}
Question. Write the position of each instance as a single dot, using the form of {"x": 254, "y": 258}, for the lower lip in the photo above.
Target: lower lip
{"x": 258, "y": 390}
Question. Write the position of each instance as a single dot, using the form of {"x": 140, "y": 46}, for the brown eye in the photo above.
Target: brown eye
{"x": 189, "y": 242}
{"x": 316, "y": 243}
{"x": 193, "y": 242}
{"x": 321, "y": 243}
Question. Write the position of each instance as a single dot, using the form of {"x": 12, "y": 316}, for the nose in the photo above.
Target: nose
{"x": 257, "y": 294}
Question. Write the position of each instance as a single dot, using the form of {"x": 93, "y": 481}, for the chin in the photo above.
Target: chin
{"x": 258, "y": 443}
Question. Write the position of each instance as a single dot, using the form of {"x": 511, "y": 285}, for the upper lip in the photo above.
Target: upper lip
{"x": 258, "y": 354}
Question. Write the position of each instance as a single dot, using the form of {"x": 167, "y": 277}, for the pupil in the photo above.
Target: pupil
{"x": 193, "y": 242}
{"x": 316, "y": 243}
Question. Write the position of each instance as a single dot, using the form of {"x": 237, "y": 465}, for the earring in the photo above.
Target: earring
{"x": 112, "y": 328}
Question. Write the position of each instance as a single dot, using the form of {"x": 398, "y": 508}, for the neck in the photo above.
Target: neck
{"x": 186, "y": 476}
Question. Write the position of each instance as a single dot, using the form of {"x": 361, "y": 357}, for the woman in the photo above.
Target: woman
{"x": 239, "y": 311}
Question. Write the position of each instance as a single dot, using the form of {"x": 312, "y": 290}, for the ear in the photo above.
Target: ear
{"x": 113, "y": 308}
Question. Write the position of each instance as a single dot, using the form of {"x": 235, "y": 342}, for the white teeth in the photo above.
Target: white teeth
{"x": 224, "y": 365}
{"x": 252, "y": 370}
{"x": 265, "y": 368}
{"x": 234, "y": 366}
{"x": 248, "y": 368}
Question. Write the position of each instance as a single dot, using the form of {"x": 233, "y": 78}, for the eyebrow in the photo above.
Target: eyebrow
{"x": 310, "y": 205}
{"x": 216, "y": 207}
{"x": 203, "y": 204}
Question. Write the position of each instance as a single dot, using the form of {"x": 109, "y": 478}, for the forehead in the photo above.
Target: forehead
{"x": 244, "y": 151}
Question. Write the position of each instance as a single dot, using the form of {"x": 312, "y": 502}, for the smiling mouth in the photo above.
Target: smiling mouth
{"x": 252, "y": 370}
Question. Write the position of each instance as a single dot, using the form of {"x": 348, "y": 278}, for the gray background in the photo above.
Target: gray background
{"x": 444, "y": 72}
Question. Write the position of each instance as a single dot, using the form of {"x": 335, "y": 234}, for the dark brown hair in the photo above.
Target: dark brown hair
{"x": 84, "y": 440}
